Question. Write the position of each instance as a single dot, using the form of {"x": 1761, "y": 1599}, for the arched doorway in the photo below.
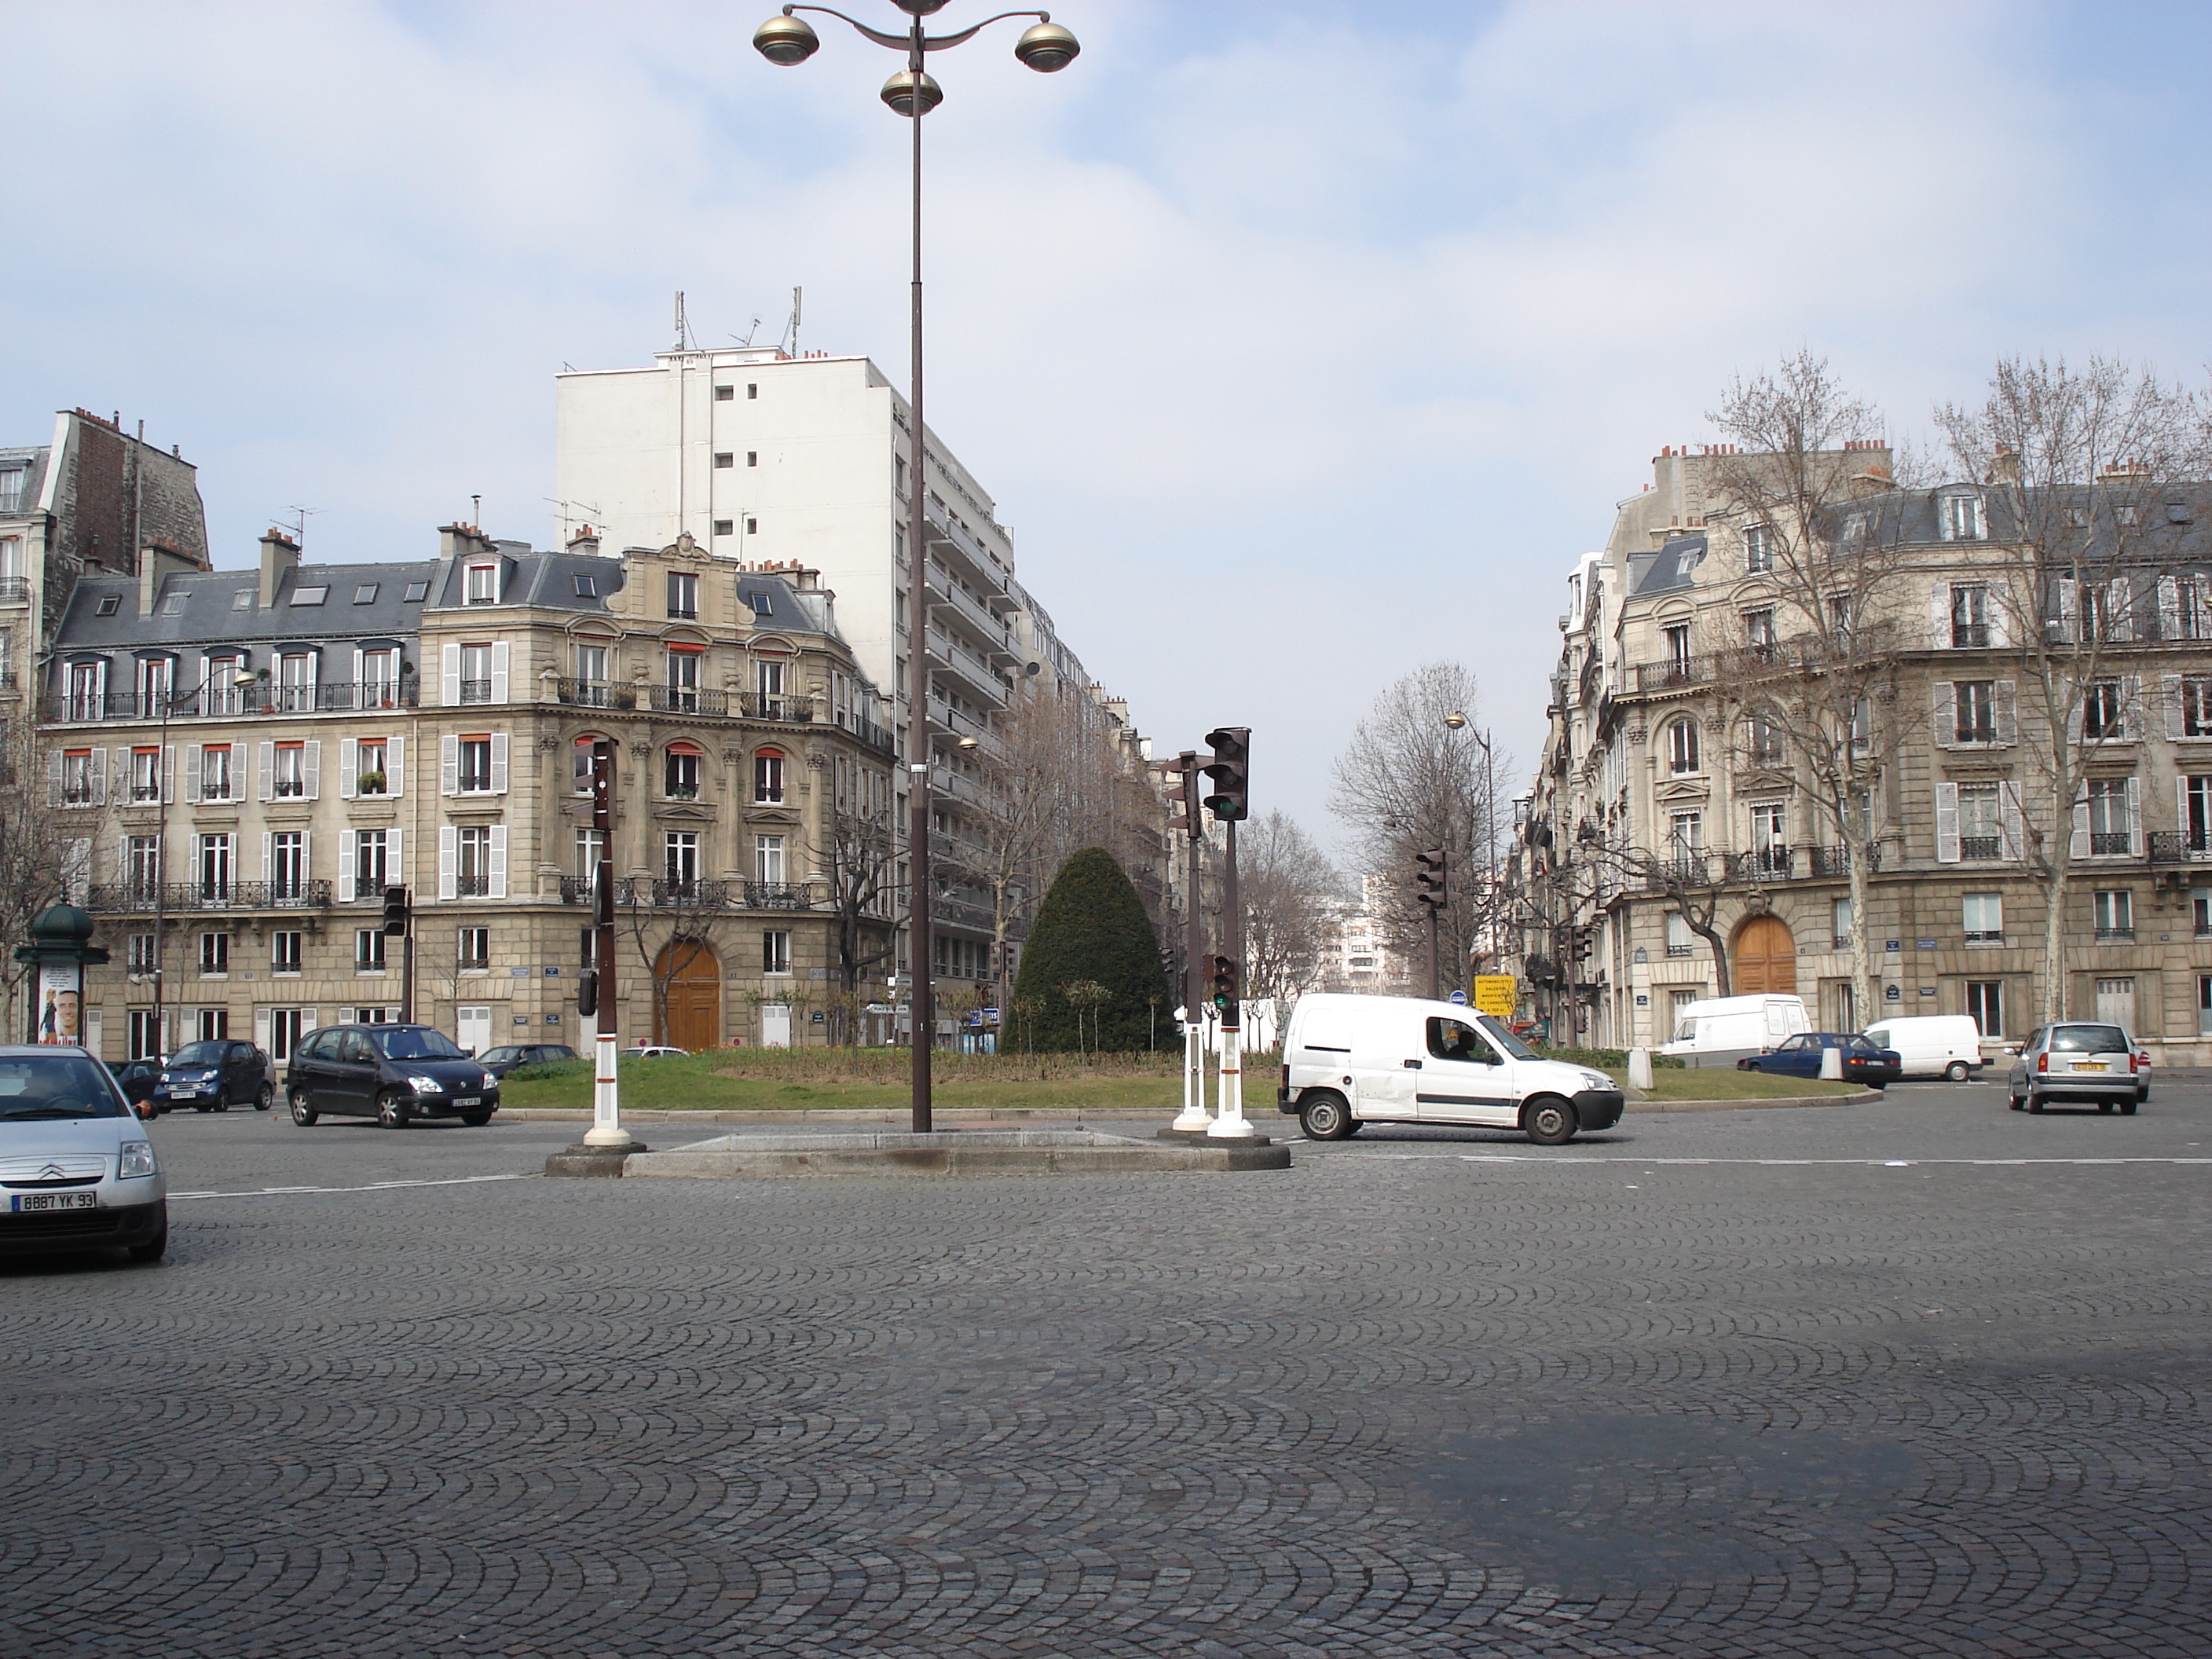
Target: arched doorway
{"x": 688, "y": 1012}
{"x": 1764, "y": 957}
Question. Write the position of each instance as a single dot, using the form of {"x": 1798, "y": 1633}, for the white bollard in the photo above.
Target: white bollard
{"x": 606, "y": 1132}
{"x": 1193, "y": 1119}
{"x": 1831, "y": 1063}
{"x": 1229, "y": 1122}
{"x": 1639, "y": 1068}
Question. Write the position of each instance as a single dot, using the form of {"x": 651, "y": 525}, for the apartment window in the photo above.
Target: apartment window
{"x": 768, "y": 867}
{"x": 1969, "y": 617}
{"x": 416, "y": 594}
{"x": 216, "y": 867}
{"x": 1770, "y": 839}
{"x": 371, "y": 756}
{"x": 1765, "y": 740}
{"x": 483, "y": 584}
{"x": 142, "y": 953}
{"x": 1981, "y": 831}
{"x": 1960, "y": 518}
{"x": 592, "y": 668}
{"x": 724, "y": 458}
{"x": 369, "y": 864}
{"x": 2114, "y": 910}
{"x": 1839, "y": 923}
{"x": 365, "y": 593}
{"x": 219, "y": 691}
{"x": 775, "y": 951}
{"x": 587, "y": 587}
{"x": 1975, "y": 708}
{"x": 1678, "y": 646}
{"x": 1759, "y": 630}
{"x": 310, "y": 596}
{"x": 752, "y": 389}
{"x": 2102, "y": 716}
{"x": 146, "y": 774}
{"x": 109, "y": 604}
{"x": 753, "y": 458}
{"x": 1861, "y": 726}
{"x": 215, "y": 953}
{"x": 80, "y": 782}
{"x": 214, "y": 772}
{"x": 369, "y": 950}
{"x": 1682, "y": 746}
{"x": 375, "y": 1015}
{"x": 1841, "y": 614}
{"x": 145, "y": 1035}
{"x": 684, "y": 679}
{"x": 725, "y": 526}
{"x": 296, "y": 684}
{"x": 1983, "y": 916}
{"x": 472, "y": 865}
{"x": 579, "y": 770}
{"x": 1678, "y": 934}
{"x": 286, "y": 1027}
{"x": 2197, "y": 705}
{"x": 475, "y": 775}
{"x": 681, "y": 772}
{"x": 475, "y": 673}
{"x": 898, "y": 475}
{"x": 284, "y": 951}
{"x": 2204, "y": 1004}
{"x": 2109, "y": 830}
{"x": 724, "y": 393}
{"x": 142, "y": 864}
{"x": 288, "y": 865}
{"x": 1757, "y": 547}
{"x": 157, "y": 678}
{"x": 768, "y": 777}
{"x": 11, "y": 488}
{"x": 290, "y": 779}
{"x": 680, "y": 860}
{"x": 590, "y": 847}
{"x": 752, "y": 526}
{"x": 1686, "y": 843}
{"x": 473, "y": 954}
{"x": 2196, "y": 813}
{"x": 1986, "y": 1006}
{"x": 767, "y": 684}
{"x": 682, "y": 593}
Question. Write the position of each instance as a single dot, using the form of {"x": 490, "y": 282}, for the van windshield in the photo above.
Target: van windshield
{"x": 1502, "y": 1034}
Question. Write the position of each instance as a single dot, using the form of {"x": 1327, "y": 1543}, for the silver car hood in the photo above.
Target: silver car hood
{"x": 23, "y": 1138}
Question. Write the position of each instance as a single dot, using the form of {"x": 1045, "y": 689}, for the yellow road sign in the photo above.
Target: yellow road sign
{"x": 1495, "y": 994}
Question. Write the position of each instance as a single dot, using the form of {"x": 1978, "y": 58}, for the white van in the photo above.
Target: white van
{"x": 1353, "y": 1059}
{"x": 1723, "y": 1030}
{"x": 1932, "y": 1045}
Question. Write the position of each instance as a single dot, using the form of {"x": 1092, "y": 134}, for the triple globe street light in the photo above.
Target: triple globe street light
{"x": 786, "y": 40}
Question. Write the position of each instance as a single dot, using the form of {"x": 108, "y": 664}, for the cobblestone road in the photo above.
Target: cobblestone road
{"x": 1919, "y": 1378}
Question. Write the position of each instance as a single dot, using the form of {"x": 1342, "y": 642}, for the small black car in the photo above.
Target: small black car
{"x": 210, "y": 1076}
{"x": 393, "y": 1073}
{"x": 501, "y": 1060}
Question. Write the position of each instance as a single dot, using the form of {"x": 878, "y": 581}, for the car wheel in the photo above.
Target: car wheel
{"x": 222, "y": 1102}
{"x": 1958, "y": 1071}
{"x": 1325, "y": 1117}
{"x": 392, "y": 1111}
{"x": 2142, "y": 1097}
{"x": 303, "y": 1114}
{"x": 2014, "y": 1103}
{"x": 1549, "y": 1121}
{"x": 266, "y": 1098}
{"x": 154, "y": 1248}
{"x": 2127, "y": 1108}
{"x": 476, "y": 1120}
{"x": 2035, "y": 1103}
{"x": 2103, "y": 1107}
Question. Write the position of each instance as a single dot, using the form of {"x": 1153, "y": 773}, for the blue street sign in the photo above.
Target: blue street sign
{"x": 1459, "y": 999}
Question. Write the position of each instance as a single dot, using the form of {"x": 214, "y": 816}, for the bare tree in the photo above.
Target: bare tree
{"x": 860, "y": 864}
{"x": 2067, "y": 471}
{"x": 671, "y": 923}
{"x": 1287, "y": 888}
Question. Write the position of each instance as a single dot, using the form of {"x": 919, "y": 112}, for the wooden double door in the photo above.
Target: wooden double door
{"x": 688, "y": 1014}
{"x": 1765, "y": 958}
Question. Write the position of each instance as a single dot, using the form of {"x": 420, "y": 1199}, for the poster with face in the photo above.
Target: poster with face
{"x": 61, "y": 995}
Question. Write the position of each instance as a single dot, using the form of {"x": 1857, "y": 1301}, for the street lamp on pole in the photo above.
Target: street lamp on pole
{"x": 1045, "y": 46}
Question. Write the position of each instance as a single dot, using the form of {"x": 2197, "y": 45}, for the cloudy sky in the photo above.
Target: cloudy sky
{"x": 1301, "y": 343}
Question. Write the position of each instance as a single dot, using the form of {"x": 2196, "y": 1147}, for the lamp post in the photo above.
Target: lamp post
{"x": 240, "y": 681}
{"x": 1045, "y": 46}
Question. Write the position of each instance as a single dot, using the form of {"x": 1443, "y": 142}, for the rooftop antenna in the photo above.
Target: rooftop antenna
{"x": 747, "y": 339}
{"x": 791, "y": 330}
{"x": 300, "y": 520}
{"x": 476, "y": 512}
{"x": 684, "y": 339}
{"x": 566, "y": 512}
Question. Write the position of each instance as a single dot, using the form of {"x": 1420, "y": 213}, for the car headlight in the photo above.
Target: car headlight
{"x": 426, "y": 1086}
{"x": 1597, "y": 1080}
{"x": 137, "y": 1159}
{"x": 490, "y": 1081}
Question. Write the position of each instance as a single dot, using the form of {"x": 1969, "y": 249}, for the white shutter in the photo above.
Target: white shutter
{"x": 348, "y": 763}
{"x": 450, "y": 658}
{"x": 2131, "y": 709}
{"x": 449, "y": 861}
{"x": 395, "y": 766}
{"x": 346, "y": 865}
{"x": 1947, "y": 823}
{"x": 311, "y": 766}
{"x": 2010, "y": 819}
{"x": 307, "y": 1021}
{"x": 2008, "y": 706}
{"x": 499, "y": 671}
{"x": 2181, "y": 807}
{"x": 261, "y": 1030}
{"x": 241, "y": 772}
{"x": 499, "y": 762}
{"x": 1939, "y": 617}
{"x": 497, "y": 872}
{"x": 2079, "y": 848}
{"x": 2069, "y": 610}
{"x": 395, "y": 865}
{"x": 2135, "y": 817}
{"x": 2074, "y": 715}
{"x": 267, "y": 855}
{"x": 306, "y": 843}
{"x": 193, "y": 788}
{"x": 168, "y": 774}
{"x": 449, "y": 764}
{"x": 2169, "y": 609}
{"x": 100, "y": 777}
{"x": 267, "y": 765}
{"x": 358, "y": 678}
{"x": 122, "y": 775}
{"x": 54, "y": 777}
{"x": 2169, "y": 700}
{"x": 2119, "y": 609}
{"x": 1945, "y": 730}
{"x": 2000, "y": 614}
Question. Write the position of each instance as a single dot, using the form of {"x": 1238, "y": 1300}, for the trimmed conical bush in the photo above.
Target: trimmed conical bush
{"x": 1092, "y": 961}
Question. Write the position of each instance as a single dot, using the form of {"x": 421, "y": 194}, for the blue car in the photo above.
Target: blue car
{"x": 1800, "y": 1056}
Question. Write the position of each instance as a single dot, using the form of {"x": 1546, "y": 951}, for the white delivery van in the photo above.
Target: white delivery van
{"x": 1932, "y": 1045}
{"x": 1353, "y": 1059}
{"x": 1720, "y": 1030}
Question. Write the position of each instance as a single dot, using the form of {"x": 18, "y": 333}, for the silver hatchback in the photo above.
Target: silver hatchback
{"x": 2081, "y": 1061}
{"x": 77, "y": 1170}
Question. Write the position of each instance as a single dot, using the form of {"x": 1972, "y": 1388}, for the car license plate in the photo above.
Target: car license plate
{"x": 184, "y": 1094}
{"x": 469, "y": 1100}
{"x": 2089, "y": 1066}
{"x": 38, "y": 1203}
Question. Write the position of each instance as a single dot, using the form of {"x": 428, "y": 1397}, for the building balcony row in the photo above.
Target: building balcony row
{"x": 232, "y": 703}
{"x": 633, "y": 891}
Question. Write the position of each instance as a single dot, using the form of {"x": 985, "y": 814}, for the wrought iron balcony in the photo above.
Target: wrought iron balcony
{"x": 2110, "y": 843}
{"x": 200, "y": 895}
{"x": 1981, "y": 846}
{"x": 778, "y": 896}
{"x": 471, "y": 887}
{"x": 1673, "y": 672}
{"x": 2172, "y": 846}
{"x": 595, "y": 693}
{"x": 15, "y": 590}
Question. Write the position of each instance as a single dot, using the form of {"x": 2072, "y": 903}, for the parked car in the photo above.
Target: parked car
{"x": 1353, "y": 1059}
{"x": 2079, "y": 1060}
{"x": 393, "y": 1073}
{"x": 652, "y": 1051}
{"x": 1801, "y": 1056}
{"x": 1715, "y": 1030}
{"x": 212, "y": 1075}
{"x": 500, "y": 1061}
{"x": 77, "y": 1172}
{"x": 136, "y": 1079}
{"x": 1932, "y": 1045}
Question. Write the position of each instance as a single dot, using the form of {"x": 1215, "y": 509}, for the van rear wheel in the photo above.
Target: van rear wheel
{"x": 1325, "y": 1117}
{"x": 1958, "y": 1071}
{"x": 1549, "y": 1121}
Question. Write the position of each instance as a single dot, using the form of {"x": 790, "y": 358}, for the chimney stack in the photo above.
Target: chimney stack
{"x": 279, "y": 553}
{"x": 2004, "y": 465}
{"x": 585, "y": 541}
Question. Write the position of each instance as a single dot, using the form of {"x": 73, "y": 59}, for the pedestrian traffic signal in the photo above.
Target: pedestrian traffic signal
{"x": 1429, "y": 877}
{"x": 1232, "y": 749}
{"x": 1224, "y": 974}
{"x": 587, "y": 993}
{"x": 395, "y": 909}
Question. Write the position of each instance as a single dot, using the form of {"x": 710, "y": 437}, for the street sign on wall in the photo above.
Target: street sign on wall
{"x": 1495, "y": 994}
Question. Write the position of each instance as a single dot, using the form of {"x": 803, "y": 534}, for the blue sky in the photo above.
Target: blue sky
{"x": 1300, "y": 343}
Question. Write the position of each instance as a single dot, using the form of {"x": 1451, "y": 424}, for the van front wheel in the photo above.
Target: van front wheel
{"x": 1325, "y": 1117}
{"x": 1549, "y": 1121}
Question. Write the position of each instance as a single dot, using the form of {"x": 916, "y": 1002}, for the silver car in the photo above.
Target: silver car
{"x": 2079, "y": 1062}
{"x": 77, "y": 1172}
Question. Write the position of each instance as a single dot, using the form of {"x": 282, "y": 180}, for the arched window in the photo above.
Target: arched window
{"x": 580, "y": 775}
{"x": 682, "y": 772}
{"x": 1762, "y": 737}
{"x": 1682, "y": 746}
{"x": 768, "y": 777}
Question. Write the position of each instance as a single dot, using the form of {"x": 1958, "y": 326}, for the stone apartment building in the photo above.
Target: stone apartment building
{"x": 334, "y": 730}
{"x": 1660, "y": 780}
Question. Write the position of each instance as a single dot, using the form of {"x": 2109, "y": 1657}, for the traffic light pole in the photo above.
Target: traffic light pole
{"x": 1194, "y": 1118}
{"x": 1229, "y": 1121}
{"x": 1436, "y": 983}
{"x": 607, "y": 1133}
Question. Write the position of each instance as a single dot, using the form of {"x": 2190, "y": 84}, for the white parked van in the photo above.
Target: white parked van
{"x": 1723, "y": 1030}
{"x": 1932, "y": 1045}
{"x": 1353, "y": 1059}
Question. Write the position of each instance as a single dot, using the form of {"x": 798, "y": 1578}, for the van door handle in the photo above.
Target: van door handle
{"x": 1413, "y": 1064}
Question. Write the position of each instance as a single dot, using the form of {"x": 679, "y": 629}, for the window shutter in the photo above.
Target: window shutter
{"x": 2009, "y": 820}
{"x": 307, "y": 1021}
{"x": 359, "y": 675}
{"x": 2080, "y": 847}
{"x": 449, "y": 764}
{"x": 395, "y": 766}
{"x": 54, "y": 777}
{"x": 346, "y": 865}
{"x": 2074, "y": 715}
{"x": 1947, "y": 823}
{"x": 261, "y": 1030}
{"x": 122, "y": 775}
{"x": 267, "y": 765}
{"x": 2135, "y": 817}
{"x": 450, "y": 660}
{"x": 100, "y": 777}
{"x": 311, "y": 766}
{"x": 192, "y": 788}
{"x": 349, "y": 766}
{"x": 2169, "y": 701}
{"x": 1946, "y": 727}
{"x": 395, "y": 862}
{"x": 2169, "y": 609}
{"x": 2181, "y": 806}
{"x": 1939, "y": 617}
{"x": 497, "y": 872}
{"x": 2131, "y": 708}
{"x": 499, "y": 762}
{"x": 267, "y": 855}
{"x": 2000, "y": 614}
{"x": 306, "y": 841}
{"x": 449, "y": 860}
{"x": 2007, "y": 701}
{"x": 2119, "y": 609}
{"x": 499, "y": 671}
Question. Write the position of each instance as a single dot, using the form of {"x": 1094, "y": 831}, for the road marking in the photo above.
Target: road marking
{"x": 1781, "y": 1163}
{"x": 372, "y": 1187}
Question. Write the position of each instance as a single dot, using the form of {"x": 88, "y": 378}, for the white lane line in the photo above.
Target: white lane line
{"x": 372, "y": 1187}
{"x": 1784, "y": 1162}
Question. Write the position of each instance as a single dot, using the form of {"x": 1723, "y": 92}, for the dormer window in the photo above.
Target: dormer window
{"x": 587, "y": 587}
{"x": 482, "y": 585}
{"x": 1960, "y": 518}
{"x": 763, "y": 603}
{"x": 314, "y": 595}
{"x": 416, "y": 594}
{"x": 174, "y": 605}
{"x": 682, "y": 593}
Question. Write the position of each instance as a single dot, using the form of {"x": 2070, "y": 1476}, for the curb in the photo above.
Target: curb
{"x": 1637, "y": 1107}
{"x": 813, "y": 1115}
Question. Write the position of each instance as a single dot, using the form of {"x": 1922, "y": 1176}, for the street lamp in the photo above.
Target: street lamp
{"x": 1045, "y": 46}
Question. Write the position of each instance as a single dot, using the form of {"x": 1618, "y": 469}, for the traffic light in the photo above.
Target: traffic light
{"x": 395, "y": 910}
{"x": 1223, "y": 973}
{"x": 587, "y": 993}
{"x": 1230, "y": 770}
{"x": 1579, "y": 940}
{"x": 1429, "y": 877}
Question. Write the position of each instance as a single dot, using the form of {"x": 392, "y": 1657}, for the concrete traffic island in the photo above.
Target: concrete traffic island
{"x": 946, "y": 1152}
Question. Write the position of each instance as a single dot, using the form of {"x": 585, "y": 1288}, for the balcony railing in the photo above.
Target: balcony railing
{"x": 2116, "y": 935}
{"x": 1994, "y": 936}
{"x": 2172, "y": 846}
{"x": 1981, "y": 846}
{"x": 2110, "y": 843}
{"x": 184, "y": 896}
{"x": 687, "y": 700}
{"x": 15, "y": 590}
{"x": 476, "y": 690}
{"x": 732, "y": 895}
{"x": 471, "y": 887}
{"x": 1970, "y": 636}
{"x": 595, "y": 693}
{"x": 224, "y": 702}
{"x": 1765, "y": 864}
{"x": 369, "y": 887}
{"x": 777, "y": 895}
{"x": 761, "y": 706}
{"x": 1674, "y": 671}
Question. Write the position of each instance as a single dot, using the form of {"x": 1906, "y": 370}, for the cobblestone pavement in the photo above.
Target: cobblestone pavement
{"x": 1917, "y": 1378}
